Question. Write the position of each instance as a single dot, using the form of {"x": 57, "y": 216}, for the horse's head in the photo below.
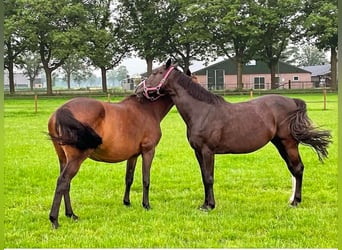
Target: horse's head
{"x": 154, "y": 86}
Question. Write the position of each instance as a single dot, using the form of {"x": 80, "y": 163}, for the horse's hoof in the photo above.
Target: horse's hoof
{"x": 147, "y": 206}
{"x": 203, "y": 209}
{"x": 54, "y": 223}
{"x": 295, "y": 203}
{"x": 206, "y": 207}
{"x": 72, "y": 216}
{"x": 127, "y": 203}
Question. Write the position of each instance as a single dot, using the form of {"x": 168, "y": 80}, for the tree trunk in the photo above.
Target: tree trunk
{"x": 68, "y": 79}
{"x": 333, "y": 68}
{"x": 48, "y": 74}
{"x": 31, "y": 83}
{"x": 273, "y": 66}
{"x": 104, "y": 79}
{"x": 239, "y": 66}
{"x": 11, "y": 77}
{"x": 149, "y": 62}
{"x": 186, "y": 63}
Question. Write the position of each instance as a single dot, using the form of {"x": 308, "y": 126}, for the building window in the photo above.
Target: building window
{"x": 296, "y": 78}
{"x": 259, "y": 82}
{"x": 215, "y": 79}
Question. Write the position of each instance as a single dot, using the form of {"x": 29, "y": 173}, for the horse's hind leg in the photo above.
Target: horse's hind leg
{"x": 63, "y": 185}
{"x": 62, "y": 163}
{"x": 130, "y": 168}
{"x": 288, "y": 149}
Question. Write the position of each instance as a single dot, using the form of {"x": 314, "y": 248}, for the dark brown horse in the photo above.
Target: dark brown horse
{"x": 86, "y": 128}
{"x": 215, "y": 126}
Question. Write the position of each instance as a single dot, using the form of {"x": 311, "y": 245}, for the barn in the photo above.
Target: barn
{"x": 255, "y": 75}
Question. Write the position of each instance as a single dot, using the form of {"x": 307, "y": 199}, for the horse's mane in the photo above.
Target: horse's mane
{"x": 197, "y": 91}
{"x": 137, "y": 97}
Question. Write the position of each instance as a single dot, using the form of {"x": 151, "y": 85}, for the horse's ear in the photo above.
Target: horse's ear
{"x": 188, "y": 72}
{"x": 168, "y": 63}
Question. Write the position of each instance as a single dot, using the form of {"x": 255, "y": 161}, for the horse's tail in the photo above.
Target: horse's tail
{"x": 304, "y": 132}
{"x": 69, "y": 131}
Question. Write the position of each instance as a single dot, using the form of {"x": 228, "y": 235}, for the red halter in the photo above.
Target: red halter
{"x": 156, "y": 89}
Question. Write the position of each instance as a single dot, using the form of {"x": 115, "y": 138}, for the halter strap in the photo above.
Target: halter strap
{"x": 156, "y": 88}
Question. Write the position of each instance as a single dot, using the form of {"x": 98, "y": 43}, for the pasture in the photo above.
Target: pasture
{"x": 252, "y": 192}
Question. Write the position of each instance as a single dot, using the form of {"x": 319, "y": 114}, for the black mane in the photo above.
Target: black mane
{"x": 197, "y": 91}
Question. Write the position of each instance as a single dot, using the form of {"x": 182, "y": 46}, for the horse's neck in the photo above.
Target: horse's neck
{"x": 163, "y": 106}
{"x": 188, "y": 107}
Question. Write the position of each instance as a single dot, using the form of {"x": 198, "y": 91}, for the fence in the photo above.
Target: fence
{"x": 264, "y": 86}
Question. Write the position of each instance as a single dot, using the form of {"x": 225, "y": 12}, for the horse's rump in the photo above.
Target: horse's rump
{"x": 69, "y": 131}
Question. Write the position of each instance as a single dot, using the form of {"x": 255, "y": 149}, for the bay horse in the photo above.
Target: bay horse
{"x": 107, "y": 132}
{"x": 215, "y": 126}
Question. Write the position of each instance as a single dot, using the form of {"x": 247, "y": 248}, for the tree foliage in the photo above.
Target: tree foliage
{"x": 31, "y": 65}
{"x": 185, "y": 40}
{"x": 74, "y": 68}
{"x": 14, "y": 44}
{"x": 305, "y": 55}
{"x": 232, "y": 29}
{"x": 321, "y": 28}
{"x": 280, "y": 22}
{"x": 52, "y": 28}
{"x": 107, "y": 42}
{"x": 147, "y": 28}
{"x": 104, "y": 32}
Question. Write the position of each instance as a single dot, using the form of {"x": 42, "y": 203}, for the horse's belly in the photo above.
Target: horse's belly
{"x": 243, "y": 149}
{"x": 245, "y": 143}
{"x": 113, "y": 155}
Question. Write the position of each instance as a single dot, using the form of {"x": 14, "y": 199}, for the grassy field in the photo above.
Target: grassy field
{"x": 252, "y": 192}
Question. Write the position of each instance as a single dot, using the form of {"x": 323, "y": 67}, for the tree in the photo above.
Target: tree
{"x": 106, "y": 43}
{"x": 321, "y": 28}
{"x": 232, "y": 27}
{"x": 279, "y": 21}
{"x": 119, "y": 74}
{"x": 185, "y": 39}
{"x": 75, "y": 68}
{"x": 13, "y": 40}
{"x": 31, "y": 64}
{"x": 53, "y": 29}
{"x": 305, "y": 55}
{"x": 147, "y": 26}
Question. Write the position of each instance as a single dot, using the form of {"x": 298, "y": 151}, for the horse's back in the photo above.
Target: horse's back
{"x": 280, "y": 106}
{"x": 247, "y": 126}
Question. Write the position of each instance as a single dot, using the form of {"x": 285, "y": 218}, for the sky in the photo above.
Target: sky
{"x": 138, "y": 66}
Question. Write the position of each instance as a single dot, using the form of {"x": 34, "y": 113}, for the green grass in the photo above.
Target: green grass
{"x": 251, "y": 192}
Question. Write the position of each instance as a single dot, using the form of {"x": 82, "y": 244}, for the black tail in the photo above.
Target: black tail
{"x": 72, "y": 132}
{"x": 304, "y": 132}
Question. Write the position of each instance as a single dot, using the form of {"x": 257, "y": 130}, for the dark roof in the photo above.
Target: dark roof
{"x": 253, "y": 67}
{"x": 318, "y": 70}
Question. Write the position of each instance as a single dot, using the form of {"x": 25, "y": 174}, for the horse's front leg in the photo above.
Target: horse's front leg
{"x": 130, "y": 168}
{"x": 147, "y": 158}
{"x": 206, "y": 161}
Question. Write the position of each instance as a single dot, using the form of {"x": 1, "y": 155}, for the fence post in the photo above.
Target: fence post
{"x": 324, "y": 99}
{"x": 251, "y": 94}
{"x": 108, "y": 97}
{"x": 35, "y": 103}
